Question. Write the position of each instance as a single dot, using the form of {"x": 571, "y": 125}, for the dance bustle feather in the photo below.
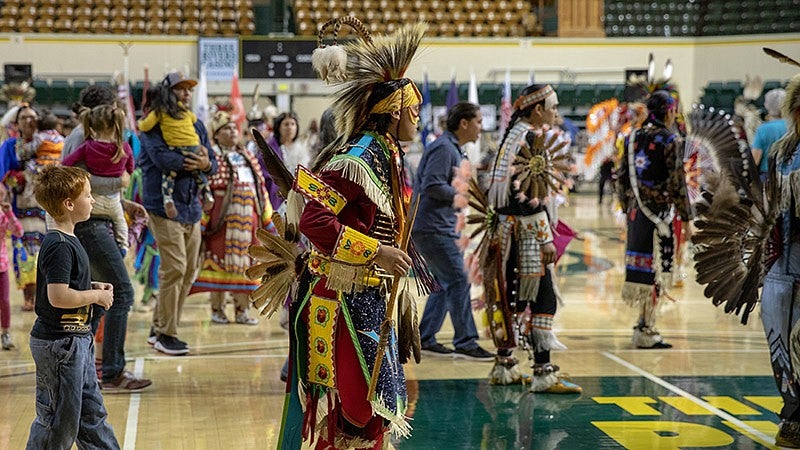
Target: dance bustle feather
{"x": 780, "y": 56}
{"x": 734, "y": 215}
{"x": 275, "y": 266}
{"x": 408, "y": 338}
{"x": 275, "y": 166}
{"x": 712, "y": 146}
{"x": 540, "y": 167}
{"x": 484, "y": 218}
{"x": 370, "y": 61}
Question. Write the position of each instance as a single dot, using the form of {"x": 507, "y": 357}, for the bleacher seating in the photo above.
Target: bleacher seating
{"x": 470, "y": 18}
{"x": 723, "y": 94}
{"x": 174, "y": 17}
{"x": 700, "y": 17}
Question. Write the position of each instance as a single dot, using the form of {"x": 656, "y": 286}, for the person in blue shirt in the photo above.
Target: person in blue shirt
{"x": 435, "y": 236}
{"x": 769, "y": 132}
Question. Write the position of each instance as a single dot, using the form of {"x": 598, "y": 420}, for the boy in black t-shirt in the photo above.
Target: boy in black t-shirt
{"x": 69, "y": 406}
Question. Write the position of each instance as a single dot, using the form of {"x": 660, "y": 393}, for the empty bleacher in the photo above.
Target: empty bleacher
{"x": 471, "y": 18}
{"x": 722, "y": 95}
{"x": 171, "y": 17}
{"x": 624, "y": 18}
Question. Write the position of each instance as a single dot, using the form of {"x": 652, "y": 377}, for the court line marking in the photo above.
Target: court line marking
{"x": 762, "y": 438}
{"x": 132, "y": 425}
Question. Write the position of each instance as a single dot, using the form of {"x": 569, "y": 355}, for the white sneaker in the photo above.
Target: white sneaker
{"x": 219, "y": 317}
{"x": 245, "y": 319}
{"x": 8, "y": 344}
{"x": 153, "y": 337}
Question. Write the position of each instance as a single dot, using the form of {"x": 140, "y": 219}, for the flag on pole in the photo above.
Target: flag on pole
{"x": 452, "y": 94}
{"x": 505, "y": 104}
{"x": 238, "y": 114}
{"x": 473, "y": 149}
{"x": 426, "y": 112}
{"x": 201, "y": 97}
{"x": 123, "y": 93}
{"x": 472, "y": 93}
{"x": 146, "y": 86}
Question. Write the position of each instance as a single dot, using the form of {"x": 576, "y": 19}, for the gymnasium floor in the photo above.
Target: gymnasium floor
{"x": 712, "y": 390}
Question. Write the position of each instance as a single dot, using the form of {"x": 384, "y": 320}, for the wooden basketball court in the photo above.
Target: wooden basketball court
{"x": 712, "y": 390}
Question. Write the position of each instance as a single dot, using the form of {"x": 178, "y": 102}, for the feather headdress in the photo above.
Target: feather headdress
{"x": 649, "y": 83}
{"x": 373, "y": 82}
{"x": 330, "y": 61}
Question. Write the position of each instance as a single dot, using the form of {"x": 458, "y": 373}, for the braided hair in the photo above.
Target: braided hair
{"x": 519, "y": 113}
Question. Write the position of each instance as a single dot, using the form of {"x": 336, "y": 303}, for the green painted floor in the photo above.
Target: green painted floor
{"x": 612, "y": 413}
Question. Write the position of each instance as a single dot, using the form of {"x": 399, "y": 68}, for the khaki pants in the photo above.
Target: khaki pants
{"x": 179, "y": 246}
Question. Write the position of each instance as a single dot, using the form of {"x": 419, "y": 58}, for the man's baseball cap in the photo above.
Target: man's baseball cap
{"x": 177, "y": 80}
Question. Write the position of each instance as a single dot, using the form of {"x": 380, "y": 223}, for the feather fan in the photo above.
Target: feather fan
{"x": 276, "y": 267}
{"x": 735, "y": 214}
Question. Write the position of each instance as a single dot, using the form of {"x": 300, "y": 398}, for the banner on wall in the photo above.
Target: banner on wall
{"x": 220, "y": 56}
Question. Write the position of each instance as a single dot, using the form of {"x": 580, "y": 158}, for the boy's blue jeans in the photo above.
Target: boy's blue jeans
{"x": 69, "y": 407}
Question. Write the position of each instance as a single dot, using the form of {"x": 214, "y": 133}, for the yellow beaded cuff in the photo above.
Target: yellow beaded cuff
{"x": 354, "y": 248}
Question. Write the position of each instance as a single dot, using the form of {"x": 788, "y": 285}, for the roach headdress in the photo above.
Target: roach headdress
{"x": 373, "y": 81}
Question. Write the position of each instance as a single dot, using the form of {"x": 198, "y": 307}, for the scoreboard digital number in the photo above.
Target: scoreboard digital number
{"x": 278, "y": 58}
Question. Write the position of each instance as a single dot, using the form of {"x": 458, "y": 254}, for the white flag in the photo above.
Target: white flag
{"x": 472, "y": 94}
{"x": 201, "y": 97}
{"x": 473, "y": 149}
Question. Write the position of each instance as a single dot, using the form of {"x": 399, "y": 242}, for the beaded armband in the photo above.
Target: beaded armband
{"x": 313, "y": 188}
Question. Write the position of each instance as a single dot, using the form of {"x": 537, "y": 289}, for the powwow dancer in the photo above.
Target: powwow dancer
{"x": 748, "y": 237}
{"x": 353, "y": 218}
{"x": 516, "y": 252}
{"x": 651, "y": 185}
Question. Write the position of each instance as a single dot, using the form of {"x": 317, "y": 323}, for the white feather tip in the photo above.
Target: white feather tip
{"x": 330, "y": 62}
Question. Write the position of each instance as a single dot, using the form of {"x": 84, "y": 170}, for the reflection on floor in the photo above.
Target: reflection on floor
{"x": 713, "y": 390}
{"x": 613, "y": 412}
